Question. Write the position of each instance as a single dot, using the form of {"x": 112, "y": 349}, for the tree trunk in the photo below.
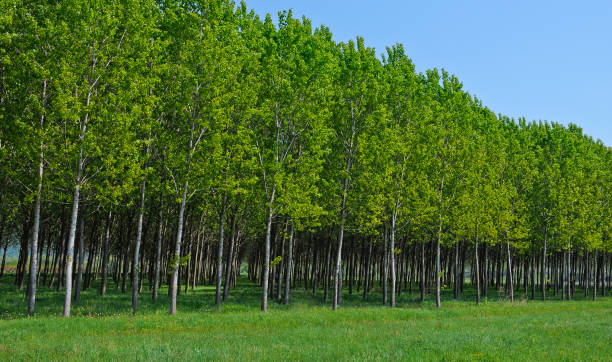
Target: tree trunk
{"x": 3, "y": 259}
{"x": 510, "y": 281}
{"x": 288, "y": 271}
{"x": 230, "y": 258}
{"x": 477, "y": 271}
{"x": 393, "y": 219}
{"x": 341, "y": 229}
{"x": 79, "y": 281}
{"x": 422, "y": 280}
{"x": 384, "y": 265}
{"x": 543, "y": 281}
{"x": 177, "y": 250}
{"x": 135, "y": 266}
{"x": 33, "y": 262}
{"x": 438, "y": 243}
{"x": 456, "y": 283}
{"x": 158, "y": 250}
{"x": 106, "y": 253}
{"x": 72, "y": 232}
{"x": 266, "y": 270}
{"x": 281, "y": 265}
{"x": 220, "y": 252}
{"x": 327, "y": 271}
{"x": 595, "y": 270}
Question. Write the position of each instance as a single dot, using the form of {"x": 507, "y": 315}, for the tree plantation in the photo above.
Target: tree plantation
{"x": 154, "y": 146}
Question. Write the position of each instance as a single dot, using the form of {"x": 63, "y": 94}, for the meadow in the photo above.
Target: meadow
{"x": 104, "y": 328}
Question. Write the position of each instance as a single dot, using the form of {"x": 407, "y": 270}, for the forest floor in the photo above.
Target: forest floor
{"x": 105, "y": 327}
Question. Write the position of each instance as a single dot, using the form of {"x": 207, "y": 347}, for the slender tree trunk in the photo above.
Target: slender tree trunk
{"x": 23, "y": 253}
{"x": 384, "y": 265}
{"x": 342, "y": 223}
{"x": 32, "y": 283}
{"x": 79, "y": 281}
{"x": 266, "y": 270}
{"x": 5, "y": 246}
{"x": 477, "y": 271}
{"x": 595, "y": 270}
{"x": 281, "y": 265}
{"x": 230, "y": 258}
{"x": 456, "y": 283}
{"x": 135, "y": 266}
{"x": 510, "y": 281}
{"x": 565, "y": 273}
{"x": 33, "y": 262}
{"x": 41, "y": 248}
{"x": 71, "y": 237}
{"x": 339, "y": 253}
{"x": 366, "y": 274}
{"x": 220, "y": 252}
{"x": 288, "y": 271}
{"x": 106, "y": 254}
{"x": 393, "y": 219}
{"x": 177, "y": 250}
{"x": 158, "y": 251}
{"x": 543, "y": 281}
{"x": 422, "y": 280}
{"x": 327, "y": 272}
{"x": 438, "y": 244}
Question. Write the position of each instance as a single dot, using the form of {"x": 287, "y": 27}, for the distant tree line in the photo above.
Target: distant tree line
{"x": 167, "y": 142}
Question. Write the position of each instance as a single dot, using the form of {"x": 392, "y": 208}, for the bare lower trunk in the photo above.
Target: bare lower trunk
{"x": 71, "y": 237}
{"x": 456, "y": 284}
{"x": 385, "y": 267}
{"x": 79, "y": 281}
{"x": 422, "y": 271}
{"x": 477, "y": 272}
{"x": 485, "y": 282}
{"x": 177, "y": 251}
{"x": 327, "y": 272}
{"x": 230, "y": 258}
{"x": 393, "y": 260}
{"x": 220, "y": 252}
{"x": 595, "y": 270}
{"x": 337, "y": 269}
{"x": 339, "y": 253}
{"x": 266, "y": 271}
{"x": 288, "y": 271}
{"x": 438, "y": 243}
{"x": 279, "y": 284}
{"x": 33, "y": 262}
{"x": 510, "y": 281}
{"x": 159, "y": 248}
{"x": 543, "y": 281}
{"x": 438, "y": 266}
{"x": 135, "y": 266}
{"x": 5, "y": 247}
{"x": 106, "y": 253}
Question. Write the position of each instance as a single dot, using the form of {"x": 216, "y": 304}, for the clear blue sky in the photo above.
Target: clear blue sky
{"x": 544, "y": 60}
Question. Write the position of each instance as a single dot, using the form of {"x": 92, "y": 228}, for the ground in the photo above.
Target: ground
{"x": 105, "y": 328}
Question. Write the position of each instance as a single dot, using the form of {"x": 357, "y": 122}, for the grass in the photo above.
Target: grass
{"x": 105, "y": 328}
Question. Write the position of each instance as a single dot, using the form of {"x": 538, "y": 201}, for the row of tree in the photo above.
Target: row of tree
{"x": 140, "y": 139}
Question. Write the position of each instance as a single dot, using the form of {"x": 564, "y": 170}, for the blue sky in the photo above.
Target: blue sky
{"x": 544, "y": 60}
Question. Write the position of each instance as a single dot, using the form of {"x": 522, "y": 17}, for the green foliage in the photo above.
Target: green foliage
{"x": 275, "y": 261}
{"x": 178, "y": 261}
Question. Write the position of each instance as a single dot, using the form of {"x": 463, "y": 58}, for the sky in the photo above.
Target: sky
{"x": 539, "y": 59}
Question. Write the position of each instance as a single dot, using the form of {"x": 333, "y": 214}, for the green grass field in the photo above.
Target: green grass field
{"x": 105, "y": 328}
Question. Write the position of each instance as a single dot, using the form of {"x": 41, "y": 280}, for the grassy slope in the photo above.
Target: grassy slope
{"x": 307, "y": 330}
